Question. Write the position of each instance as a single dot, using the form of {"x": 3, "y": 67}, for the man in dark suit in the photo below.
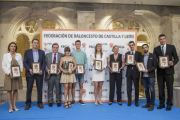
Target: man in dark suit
{"x": 30, "y": 56}
{"x": 133, "y": 74}
{"x": 166, "y": 74}
{"x": 148, "y": 76}
{"x": 53, "y": 79}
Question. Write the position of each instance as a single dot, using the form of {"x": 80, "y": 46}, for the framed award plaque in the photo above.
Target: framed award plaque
{"x": 115, "y": 66}
{"x": 98, "y": 65}
{"x": 36, "y": 67}
{"x": 130, "y": 59}
{"x": 70, "y": 66}
{"x": 163, "y": 61}
{"x": 80, "y": 69}
{"x": 15, "y": 71}
{"x": 53, "y": 68}
{"x": 140, "y": 66}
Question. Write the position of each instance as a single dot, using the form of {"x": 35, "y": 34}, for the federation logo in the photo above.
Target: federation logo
{"x": 45, "y": 44}
{"x": 84, "y": 92}
{"x": 83, "y": 46}
{"x": 111, "y": 45}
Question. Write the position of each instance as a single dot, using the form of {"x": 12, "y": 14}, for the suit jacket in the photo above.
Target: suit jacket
{"x": 171, "y": 52}
{"x": 151, "y": 65}
{"x": 28, "y": 60}
{"x": 138, "y": 58}
{"x": 48, "y": 61}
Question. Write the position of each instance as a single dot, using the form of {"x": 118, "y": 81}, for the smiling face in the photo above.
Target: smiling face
{"x": 145, "y": 48}
{"x": 131, "y": 46}
{"x": 55, "y": 48}
{"x": 67, "y": 53}
{"x": 116, "y": 50}
{"x": 78, "y": 45}
{"x": 162, "y": 40}
{"x": 12, "y": 48}
{"x": 35, "y": 44}
{"x": 98, "y": 48}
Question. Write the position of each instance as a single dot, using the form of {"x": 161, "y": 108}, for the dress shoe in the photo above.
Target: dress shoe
{"x": 110, "y": 103}
{"x": 120, "y": 103}
{"x": 40, "y": 106}
{"x": 27, "y": 107}
{"x": 137, "y": 105}
{"x": 10, "y": 111}
{"x": 58, "y": 104}
{"x": 146, "y": 106}
{"x": 129, "y": 104}
{"x": 151, "y": 108}
{"x": 168, "y": 108}
{"x": 16, "y": 109}
{"x": 161, "y": 106}
{"x": 50, "y": 104}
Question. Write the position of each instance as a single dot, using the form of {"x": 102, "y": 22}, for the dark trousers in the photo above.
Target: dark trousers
{"x": 54, "y": 81}
{"x": 148, "y": 83}
{"x": 169, "y": 79}
{"x": 129, "y": 87}
{"x": 115, "y": 77}
{"x": 39, "y": 84}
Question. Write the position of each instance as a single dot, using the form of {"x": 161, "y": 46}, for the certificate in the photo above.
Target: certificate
{"x": 163, "y": 61}
{"x": 115, "y": 66}
{"x": 53, "y": 68}
{"x": 36, "y": 67}
{"x": 130, "y": 59}
{"x": 98, "y": 65}
{"x": 140, "y": 66}
{"x": 80, "y": 69}
{"x": 70, "y": 66}
{"x": 15, "y": 70}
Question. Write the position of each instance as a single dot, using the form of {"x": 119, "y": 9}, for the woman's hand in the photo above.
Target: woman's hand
{"x": 70, "y": 72}
{"x": 10, "y": 75}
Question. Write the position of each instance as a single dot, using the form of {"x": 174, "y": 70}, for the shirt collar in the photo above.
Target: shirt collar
{"x": 133, "y": 51}
{"x": 78, "y": 51}
{"x": 163, "y": 45}
{"x": 147, "y": 54}
{"x": 34, "y": 51}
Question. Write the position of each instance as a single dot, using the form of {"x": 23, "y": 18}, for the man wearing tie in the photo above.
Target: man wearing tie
{"x": 30, "y": 56}
{"x": 53, "y": 79}
{"x": 166, "y": 74}
{"x": 133, "y": 74}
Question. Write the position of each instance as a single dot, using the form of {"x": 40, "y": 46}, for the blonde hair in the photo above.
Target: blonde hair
{"x": 96, "y": 50}
{"x": 114, "y": 47}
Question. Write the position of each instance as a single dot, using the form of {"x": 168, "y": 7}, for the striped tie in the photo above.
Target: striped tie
{"x": 162, "y": 49}
{"x": 54, "y": 60}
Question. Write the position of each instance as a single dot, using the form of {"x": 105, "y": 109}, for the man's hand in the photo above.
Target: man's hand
{"x": 48, "y": 71}
{"x": 134, "y": 63}
{"x": 59, "y": 71}
{"x": 171, "y": 63}
{"x": 30, "y": 70}
{"x": 145, "y": 71}
{"x": 84, "y": 71}
{"x": 40, "y": 72}
{"x": 119, "y": 70}
{"x": 70, "y": 72}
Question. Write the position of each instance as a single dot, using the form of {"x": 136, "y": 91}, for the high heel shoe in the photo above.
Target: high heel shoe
{"x": 16, "y": 109}
{"x": 10, "y": 111}
{"x": 96, "y": 103}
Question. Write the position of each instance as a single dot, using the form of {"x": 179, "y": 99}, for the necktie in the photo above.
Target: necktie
{"x": 162, "y": 49}
{"x": 132, "y": 52}
{"x": 54, "y": 60}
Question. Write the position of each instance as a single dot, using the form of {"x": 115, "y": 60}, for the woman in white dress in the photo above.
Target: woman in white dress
{"x": 98, "y": 76}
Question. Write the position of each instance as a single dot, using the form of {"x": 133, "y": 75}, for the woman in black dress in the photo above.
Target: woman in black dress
{"x": 115, "y": 76}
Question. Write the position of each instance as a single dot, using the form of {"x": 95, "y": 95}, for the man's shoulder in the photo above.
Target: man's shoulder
{"x": 60, "y": 53}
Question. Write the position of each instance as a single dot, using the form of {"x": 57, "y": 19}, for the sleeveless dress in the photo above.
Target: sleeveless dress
{"x": 67, "y": 78}
{"x": 15, "y": 83}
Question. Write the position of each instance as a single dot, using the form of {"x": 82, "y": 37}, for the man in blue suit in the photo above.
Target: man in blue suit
{"x": 30, "y": 56}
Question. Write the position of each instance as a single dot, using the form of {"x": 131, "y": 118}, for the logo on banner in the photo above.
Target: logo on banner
{"x": 91, "y": 93}
{"x": 90, "y": 69}
{"x": 83, "y": 46}
{"x": 63, "y": 46}
{"x": 104, "y": 91}
{"x": 54, "y": 91}
{"x": 45, "y": 91}
{"x": 111, "y": 45}
{"x": 45, "y": 49}
{"x": 45, "y": 80}
{"x": 91, "y": 46}
{"x": 84, "y": 92}
{"x": 85, "y": 81}
{"x": 92, "y": 83}
{"x": 45, "y": 44}
{"x": 73, "y": 44}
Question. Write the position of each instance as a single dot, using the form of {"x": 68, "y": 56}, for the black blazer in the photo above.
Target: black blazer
{"x": 151, "y": 65}
{"x": 138, "y": 58}
{"x": 28, "y": 59}
{"x": 171, "y": 51}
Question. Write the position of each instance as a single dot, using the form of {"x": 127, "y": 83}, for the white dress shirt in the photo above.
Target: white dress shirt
{"x": 6, "y": 62}
{"x": 164, "y": 48}
{"x": 133, "y": 52}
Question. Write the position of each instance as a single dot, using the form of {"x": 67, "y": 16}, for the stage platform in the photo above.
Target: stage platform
{"x": 89, "y": 112}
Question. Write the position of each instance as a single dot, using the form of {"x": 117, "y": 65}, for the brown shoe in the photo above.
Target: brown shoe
{"x": 146, "y": 106}
{"x": 137, "y": 105}
{"x": 151, "y": 108}
{"x": 27, "y": 107}
{"x": 129, "y": 104}
{"x": 40, "y": 106}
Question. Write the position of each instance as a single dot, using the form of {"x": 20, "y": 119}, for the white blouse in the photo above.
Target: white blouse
{"x": 6, "y": 62}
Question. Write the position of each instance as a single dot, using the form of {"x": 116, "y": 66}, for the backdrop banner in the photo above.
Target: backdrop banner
{"x": 89, "y": 38}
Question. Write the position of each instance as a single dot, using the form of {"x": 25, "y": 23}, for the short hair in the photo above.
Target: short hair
{"x": 67, "y": 49}
{"x": 34, "y": 40}
{"x": 162, "y": 35}
{"x": 146, "y": 45}
{"x": 10, "y": 45}
{"x": 54, "y": 44}
{"x": 131, "y": 42}
{"x": 77, "y": 41}
{"x": 114, "y": 47}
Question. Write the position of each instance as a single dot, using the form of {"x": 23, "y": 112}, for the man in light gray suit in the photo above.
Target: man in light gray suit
{"x": 53, "y": 79}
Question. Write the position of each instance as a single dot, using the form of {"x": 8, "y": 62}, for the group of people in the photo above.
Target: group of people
{"x": 70, "y": 78}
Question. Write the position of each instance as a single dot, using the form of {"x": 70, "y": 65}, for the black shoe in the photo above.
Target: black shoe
{"x": 120, "y": 103}
{"x": 151, "y": 108}
{"x": 110, "y": 103}
{"x": 137, "y": 105}
{"x": 129, "y": 104}
{"x": 146, "y": 106}
{"x": 168, "y": 108}
{"x": 50, "y": 104}
{"x": 161, "y": 106}
{"x": 81, "y": 102}
{"x": 72, "y": 103}
{"x": 58, "y": 104}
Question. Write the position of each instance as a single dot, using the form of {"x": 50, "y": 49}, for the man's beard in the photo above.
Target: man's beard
{"x": 146, "y": 51}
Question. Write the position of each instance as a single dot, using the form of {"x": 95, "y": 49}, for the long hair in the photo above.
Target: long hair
{"x": 95, "y": 52}
{"x": 10, "y": 45}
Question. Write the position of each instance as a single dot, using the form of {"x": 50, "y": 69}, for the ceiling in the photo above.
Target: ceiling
{"x": 144, "y": 2}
